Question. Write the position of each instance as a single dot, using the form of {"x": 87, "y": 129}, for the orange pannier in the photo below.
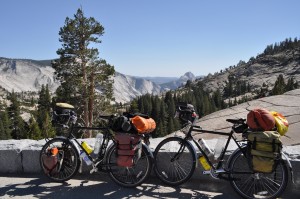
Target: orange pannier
{"x": 143, "y": 125}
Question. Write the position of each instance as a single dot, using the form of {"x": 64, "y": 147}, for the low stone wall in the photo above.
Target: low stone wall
{"x": 22, "y": 156}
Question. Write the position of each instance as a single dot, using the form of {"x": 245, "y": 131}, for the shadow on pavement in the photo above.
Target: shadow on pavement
{"x": 100, "y": 186}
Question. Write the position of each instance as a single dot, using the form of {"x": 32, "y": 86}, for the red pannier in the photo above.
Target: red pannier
{"x": 50, "y": 160}
{"x": 129, "y": 147}
{"x": 260, "y": 119}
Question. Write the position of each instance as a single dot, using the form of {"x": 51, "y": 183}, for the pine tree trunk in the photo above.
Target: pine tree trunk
{"x": 91, "y": 99}
{"x": 85, "y": 98}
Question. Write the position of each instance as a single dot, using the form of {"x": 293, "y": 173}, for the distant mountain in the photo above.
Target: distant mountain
{"x": 128, "y": 87}
{"x": 160, "y": 80}
{"x": 29, "y": 75}
{"x": 179, "y": 82}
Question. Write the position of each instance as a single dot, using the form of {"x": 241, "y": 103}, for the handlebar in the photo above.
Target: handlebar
{"x": 106, "y": 117}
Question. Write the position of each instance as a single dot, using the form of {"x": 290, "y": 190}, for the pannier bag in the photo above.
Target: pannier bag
{"x": 143, "y": 125}
{"x": 50, "y": 161}
{"x": 260, "y": 119}
{"x": 129, "y": 148}
{"x": 264, "y": 150}
{"x": 281, "y": 123}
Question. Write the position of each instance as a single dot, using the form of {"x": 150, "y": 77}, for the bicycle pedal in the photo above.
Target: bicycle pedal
{"x": 220, "y": 171}
{"x": 95, "y": 169}
{"x": 206, "y": 172}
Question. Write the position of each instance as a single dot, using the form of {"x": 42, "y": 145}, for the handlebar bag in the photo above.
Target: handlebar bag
{"x": 129, "y": 148}
{"x": 264, "y": 149}
{"x": 260, "y": 119}
{"x": 61, "y": 113}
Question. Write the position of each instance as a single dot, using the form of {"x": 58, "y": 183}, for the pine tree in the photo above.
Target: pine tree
{"x": 163, "y": 121}
{"x": 134, "y": 107}
{"x": 5, "y": 122}
{"x": 279, "y": 87}
{"x": 18, "y": 125}
{"x": 291, "y": 84}
{"x": 79, "y": 68}
{"x": 217, "y": 97}
{"x": 47, "y": 130}
{"x": 43, "y": 113}
{"x": 2, "y": 132}
{"x": 34, "y": 130}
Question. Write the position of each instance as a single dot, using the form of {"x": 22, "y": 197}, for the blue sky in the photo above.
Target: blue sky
{"x": 157, "y": 37}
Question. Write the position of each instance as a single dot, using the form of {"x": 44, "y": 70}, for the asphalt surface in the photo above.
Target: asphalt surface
{"x": 100, "y": 186}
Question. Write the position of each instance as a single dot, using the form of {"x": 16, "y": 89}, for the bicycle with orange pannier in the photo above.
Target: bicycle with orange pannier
{"x": 122, "y": 148}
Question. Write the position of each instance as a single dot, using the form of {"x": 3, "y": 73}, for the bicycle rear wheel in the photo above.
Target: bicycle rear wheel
{"x": 129, "y": 176}
{"x": 175, "y": 161}
{"x": 251, "y": 185}
{"x": 64, "y": 165}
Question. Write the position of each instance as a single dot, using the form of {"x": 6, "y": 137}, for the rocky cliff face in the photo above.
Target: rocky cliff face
{"x": 25, "y": 75}
{"x": 127, "y": 88}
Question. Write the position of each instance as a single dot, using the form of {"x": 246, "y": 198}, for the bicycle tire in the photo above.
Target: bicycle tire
{"x": 176, "y": 171}
{"x": 249, "y": 184}
{"x": 129, "y": 176}
{"x": 68, "y": 159}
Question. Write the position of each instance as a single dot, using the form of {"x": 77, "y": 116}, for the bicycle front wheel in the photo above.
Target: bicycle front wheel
{"x": 129, "y": 176}
{"x": 251, "y": 185}
{"x": 175, "y": 161}
{"x": 62, "y": 165}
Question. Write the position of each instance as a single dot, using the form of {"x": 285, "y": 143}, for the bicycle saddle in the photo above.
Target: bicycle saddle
{"x": 236, "y": 121}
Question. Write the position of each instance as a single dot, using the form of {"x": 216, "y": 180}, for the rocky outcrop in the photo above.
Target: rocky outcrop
{"x": 262, "y": 70}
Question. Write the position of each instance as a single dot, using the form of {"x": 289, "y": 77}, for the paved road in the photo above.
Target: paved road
{"x": 100, "y": 186}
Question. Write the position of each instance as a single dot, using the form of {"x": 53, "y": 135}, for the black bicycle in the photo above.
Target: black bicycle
{"x": 67, "y": 159}
{"x": 176, "y": 158}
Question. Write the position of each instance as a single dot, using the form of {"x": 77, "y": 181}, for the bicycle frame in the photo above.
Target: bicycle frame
{"x": 222, "y": 155}
{"x": 107, "y": 136}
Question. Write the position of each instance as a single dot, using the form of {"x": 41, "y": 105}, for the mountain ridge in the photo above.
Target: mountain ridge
{"x": 29, "y": 75}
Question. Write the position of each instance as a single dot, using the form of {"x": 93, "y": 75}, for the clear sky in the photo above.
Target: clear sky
{"x": 154, "y": 37}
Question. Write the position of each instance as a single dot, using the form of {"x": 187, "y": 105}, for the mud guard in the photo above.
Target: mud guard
{"x": 285, "y": 157}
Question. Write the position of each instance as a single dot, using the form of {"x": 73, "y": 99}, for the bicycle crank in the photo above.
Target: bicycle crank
{"x": 214, "y": 173}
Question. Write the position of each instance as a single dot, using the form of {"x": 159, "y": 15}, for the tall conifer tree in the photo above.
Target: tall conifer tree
{"x": 79, "y": 68}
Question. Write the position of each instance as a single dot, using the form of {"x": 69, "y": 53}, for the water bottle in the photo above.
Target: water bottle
{"x": 205, "y": 147}
{"x": 204, "y": 163}
{"x": 98, "y": 142}
{"x": 219, "y": 147}
{"x": 86, "y": 147}
{"x": 84, "y": 156}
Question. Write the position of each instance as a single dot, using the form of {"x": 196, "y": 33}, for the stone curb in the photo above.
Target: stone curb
{"x": 23, "y": 157}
